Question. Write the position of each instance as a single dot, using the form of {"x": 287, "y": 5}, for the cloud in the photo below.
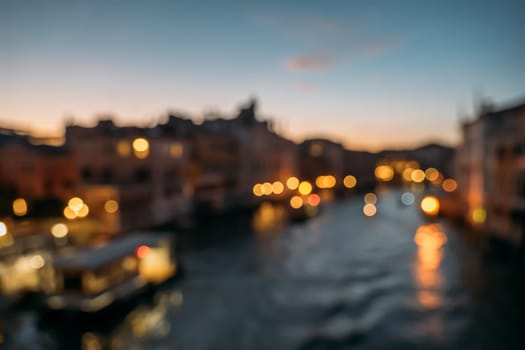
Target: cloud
{"x": 309, "y": 62}
{"x": 319, "y": 43}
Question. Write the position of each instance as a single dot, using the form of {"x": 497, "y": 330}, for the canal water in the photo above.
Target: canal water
{"x": 341, "y": 280}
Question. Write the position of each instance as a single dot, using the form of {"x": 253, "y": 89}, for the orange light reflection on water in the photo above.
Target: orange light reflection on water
{"x": 430, "y": 239}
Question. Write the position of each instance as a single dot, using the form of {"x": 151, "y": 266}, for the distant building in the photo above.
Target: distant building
{"x": 216, "y": 158}
{"x": 146, "y": 170}
{"x": 322, "y": 157}
{"x": 264, "y": 156}
{"x": 34, "y": 171}
{"x": 490, "y": 165}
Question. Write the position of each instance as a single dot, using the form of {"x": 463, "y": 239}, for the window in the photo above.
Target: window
{"x": 87, "y": 174}
{"x": 142, "y": 175}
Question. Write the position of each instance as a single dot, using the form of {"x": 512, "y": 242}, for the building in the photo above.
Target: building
{"x": 490, "y": 167}
{"x": 263, "y": 155}
{"x": 319, "y": 157}
{"x": 36, "y": 173}
{"x": 216, "y": 158}
{"x": 146, "y": 171}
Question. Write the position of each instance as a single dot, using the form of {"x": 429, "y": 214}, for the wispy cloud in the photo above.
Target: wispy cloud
{"x": 309, "y": 62}
{"x": 323, "y": 42}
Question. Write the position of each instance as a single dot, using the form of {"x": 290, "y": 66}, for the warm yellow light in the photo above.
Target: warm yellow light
{"x": 176, "y": 150}
{"x": 479, "y": 215}
{"x": 369, "y": 209}
{"x": 141, "y": 148}
{"x": 123, "y": 148}
{"x": 277, "y": 187}
{"x": 59, "y": 230}
{"x": 384, "y": 172}
{"x": 449, "y": 185}
{"x": 3, "y": 229}
{"x": 305, "y": 188}
{"x": 292, "y": 183}
{"x": 257, "y": 190}
{"x": 69, "y": 213}
{"x": 370, "y": 198}
{"x": 267, "y": 188}
{"x": 350, "y": 181}
{"x": 76, "y": 203}
{"x": 83, "y": 212}
{"x": 418, "y": 176}
{"x": 407, "y": 174}
{"x": 37, "y": 261}
{"x": 111, "y": 206}
{"x": 430, "y": 205}
{"x": 430, "y": 237}
{"x": 325, "y": 181}
{"x": 432, "y": 174}
{"x": 296, "y": 202}
{"x": 20, "y": 207}
{"x": 140, "y": 144}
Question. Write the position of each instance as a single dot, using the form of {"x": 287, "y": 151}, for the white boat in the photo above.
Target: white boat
{"x": 92, "y": 279}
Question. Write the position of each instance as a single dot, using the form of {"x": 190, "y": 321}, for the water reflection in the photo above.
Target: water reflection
{"x": 148, "y": 322}
{"x": 430, "y": 240}
{"x": 269, "y": 217}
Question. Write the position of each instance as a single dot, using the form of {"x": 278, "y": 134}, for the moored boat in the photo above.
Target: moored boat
{"x": 92, "y": 279}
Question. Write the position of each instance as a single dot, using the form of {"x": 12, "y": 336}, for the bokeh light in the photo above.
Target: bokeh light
{"x": 3, "y": 229}
{"x": 296, "y": 202}
{"x": 430, "y": 205}
{"x": 370, "y": 198}
{"x": 141, "y": 148}
{"x": 20, "y": 207}
{"x": 83, "y": 212}
{"x": 479, "y": 215}
{"x": 314, "y": 199}
{"x": 432, "y": 174}
{"x": 76, "y": 204}
{"x": 59, "y": 230}
{"x": 305, "y": 188}
{"x": 350, "y": 181}
{"x": 111, "y": 206}
{"x": 408, "y": 198}
{"x": 384, "y": 172}
{"x": 277, "y": 187}
{"x": 292, "y": 183}
{"x": 417, "y": 176}
{"x": 449, "y": 185}
{"x": 142, "y": 251}
{"x": 266, "y": 188}
{"x": 325, "y": 181}
{"x": 369, "y": 209}
{"x": 407, "y": 174}
{"x": 69, "y": 213}
{"x": 257, "y": 190}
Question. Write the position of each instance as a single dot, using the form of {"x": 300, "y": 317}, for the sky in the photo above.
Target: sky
{"x": 370, "y": 74}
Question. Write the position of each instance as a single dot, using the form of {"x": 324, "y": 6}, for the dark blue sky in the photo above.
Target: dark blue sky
{"x": 368, "y": 73}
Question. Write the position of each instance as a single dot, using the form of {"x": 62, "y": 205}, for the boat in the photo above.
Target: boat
{"x": 92, "y": 279}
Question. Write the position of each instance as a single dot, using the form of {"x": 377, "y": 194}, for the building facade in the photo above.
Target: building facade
{"x": 490, "y": 168}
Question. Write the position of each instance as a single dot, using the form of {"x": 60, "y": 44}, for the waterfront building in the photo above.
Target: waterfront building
{"x": 263, "y": 155}
{"x": 146, "y": 172}
{"x": 34, "y": 172}
{"x": 490, "y": 166}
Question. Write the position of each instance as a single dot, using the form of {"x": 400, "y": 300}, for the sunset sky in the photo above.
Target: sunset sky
{"x": 370, "y": 74}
